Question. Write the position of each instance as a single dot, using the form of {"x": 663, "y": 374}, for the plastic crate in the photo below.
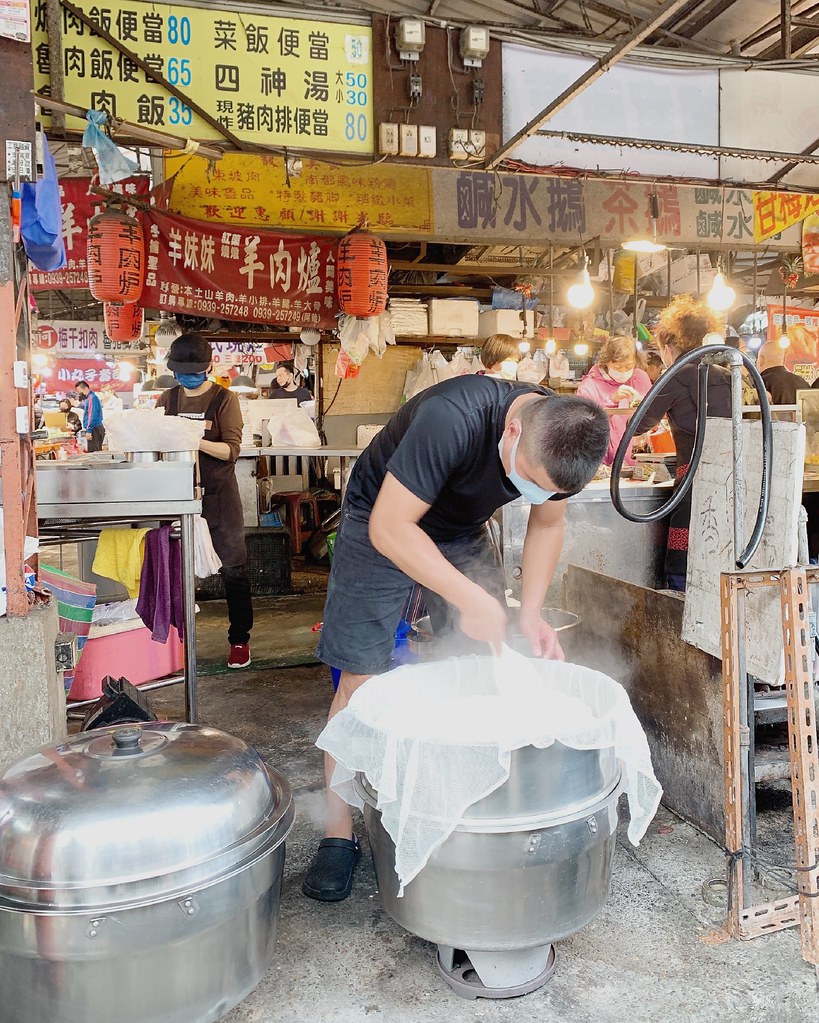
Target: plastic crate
{"x": 268, "y": 565}
{"x": 271, "y": 518}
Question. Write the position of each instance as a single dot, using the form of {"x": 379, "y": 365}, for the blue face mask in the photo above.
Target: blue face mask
{"x": 190, "y": 381}
{"x": 528, "y": 490}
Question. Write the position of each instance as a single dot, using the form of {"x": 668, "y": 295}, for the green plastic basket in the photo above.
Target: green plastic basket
{"x": 331, "y": 546}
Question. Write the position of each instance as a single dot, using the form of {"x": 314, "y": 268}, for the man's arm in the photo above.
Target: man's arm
{"x": 395, "y": 533}
{"x": 541, "y": 551}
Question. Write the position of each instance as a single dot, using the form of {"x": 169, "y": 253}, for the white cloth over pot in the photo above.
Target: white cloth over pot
{"x": 432, "y": 739}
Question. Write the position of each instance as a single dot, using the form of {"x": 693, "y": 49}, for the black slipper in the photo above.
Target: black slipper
{"x": 329, "y": 877}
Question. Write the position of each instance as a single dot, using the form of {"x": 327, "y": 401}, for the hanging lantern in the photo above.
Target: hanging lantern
{"x": 123, "y": 320}
{"x": 361, "y": 274}
{"x": 116, "y": 257}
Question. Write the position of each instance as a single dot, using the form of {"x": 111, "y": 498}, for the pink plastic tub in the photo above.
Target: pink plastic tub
{"x": 124, "y": 649}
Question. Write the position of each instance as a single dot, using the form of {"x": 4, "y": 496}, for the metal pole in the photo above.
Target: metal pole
{"x": 189, "y": 605}
{"x": 746, "y": 706}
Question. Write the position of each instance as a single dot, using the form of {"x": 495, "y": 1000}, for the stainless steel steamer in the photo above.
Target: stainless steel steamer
{"x": 140, "y": 872}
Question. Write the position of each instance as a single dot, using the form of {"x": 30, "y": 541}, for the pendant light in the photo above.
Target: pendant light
{"x": 721, "y": 296}
{"x": 645, "y": 245}
{"x": 581, "y": 294}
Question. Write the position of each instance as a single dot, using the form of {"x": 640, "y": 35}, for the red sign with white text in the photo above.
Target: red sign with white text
{"x": 79, "y": 206}
{"x": 67, "y": 373}
{"x": 247, "y": 275}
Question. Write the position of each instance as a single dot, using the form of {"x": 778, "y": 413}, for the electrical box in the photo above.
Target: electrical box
{"x": 458, "y": 144}
{"x": 477, "y": 144}
{"x": 415, "y": 88}
{"x": 410, "y": 36}
{"x": 408, "y": 140}
{"x": 474, "y": 45}
{"x": 427, "y": 141}
{"x": 388, "y": 139}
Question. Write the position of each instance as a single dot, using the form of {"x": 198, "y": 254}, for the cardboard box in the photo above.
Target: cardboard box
{"x": 453, "y": 317}
{"x": 506, "y": 321}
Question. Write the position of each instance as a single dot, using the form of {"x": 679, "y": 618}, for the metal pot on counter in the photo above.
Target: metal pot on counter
{"x": 140, "y": 874}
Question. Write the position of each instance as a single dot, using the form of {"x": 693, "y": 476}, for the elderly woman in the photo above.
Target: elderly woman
{"x": 682, "y": 326}
{"x": 616, "y": 382}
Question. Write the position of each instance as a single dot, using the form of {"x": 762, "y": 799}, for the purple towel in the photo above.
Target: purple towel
{"x": 160, "y": 585}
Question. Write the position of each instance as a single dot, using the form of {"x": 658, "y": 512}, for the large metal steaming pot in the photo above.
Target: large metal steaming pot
{"x": 140, "y": 872}
{"x": 526, "y": 866}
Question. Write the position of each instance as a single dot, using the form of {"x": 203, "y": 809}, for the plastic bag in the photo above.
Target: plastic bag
{"x": 461, "y": 364}
{"x": 529, "y": 371}
{"x": 206, "y": 561}
{"x": 41, "y": 218}
{"x": 152, "y": 430}
{"x": 113, "y": 164}
{"x": 559, "y": 367}
{"x": 441, "y": 369}
{"x": 292, "y": 428}
{"x": 432, "y": 739}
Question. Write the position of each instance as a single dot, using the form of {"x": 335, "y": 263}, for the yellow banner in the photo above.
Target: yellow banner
{"x": 277, "y": 81}
{"x": 243, "y": 189}
{"x": 775, "y": 211}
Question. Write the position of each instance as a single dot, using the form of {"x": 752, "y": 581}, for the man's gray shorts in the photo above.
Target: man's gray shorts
{"x": 366, "y": 594}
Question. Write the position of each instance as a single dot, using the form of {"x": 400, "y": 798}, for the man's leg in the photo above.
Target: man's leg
{"x": 239, "y": 603}
{"x": 95, "y": 438}
{"x": 339, "y": 817}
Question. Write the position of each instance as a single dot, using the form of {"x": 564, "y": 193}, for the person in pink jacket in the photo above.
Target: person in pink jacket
{"x": 615, "y": 381}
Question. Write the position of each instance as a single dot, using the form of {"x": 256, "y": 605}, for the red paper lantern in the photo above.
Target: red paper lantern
{"x": 123, "y": 320}
{"x": 116, "y": 257}
{"x": 362, "y": 272}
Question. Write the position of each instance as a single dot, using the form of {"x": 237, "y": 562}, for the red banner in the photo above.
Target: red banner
{"x": 79, "y": 206}
{"x": 67, "y": 373}
{"x": 241, "y": 274}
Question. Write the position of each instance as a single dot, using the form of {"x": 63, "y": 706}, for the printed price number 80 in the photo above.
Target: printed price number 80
{"x": 356, "y": 127}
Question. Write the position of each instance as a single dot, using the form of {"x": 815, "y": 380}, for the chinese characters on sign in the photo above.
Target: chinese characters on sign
{"x": 252, "y": 189}
{"x": 77, "y": 211}
{"x": 776, "y": 211}
{"x": 15, "y": 20}
{"x": 67, "y": 373}
{"x": 249, "y": 353}
{"x": 81, "y": 337}
{"x": 277, "y": 81}
{"x": 803, "y": 331}
{"x": 238, "y": 273}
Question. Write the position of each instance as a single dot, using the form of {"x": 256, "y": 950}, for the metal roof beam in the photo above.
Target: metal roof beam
{"x": 597, "y": 70}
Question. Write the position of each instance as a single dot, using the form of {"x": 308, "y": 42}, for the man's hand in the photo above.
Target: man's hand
{"x": 542, "y": 638}
{"x": 483, "y": 618}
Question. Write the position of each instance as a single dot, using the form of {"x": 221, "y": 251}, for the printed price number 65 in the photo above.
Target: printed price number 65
{"x": 179, "y": 71}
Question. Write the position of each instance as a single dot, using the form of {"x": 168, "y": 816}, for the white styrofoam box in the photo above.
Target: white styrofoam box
{"x": 365, "y": 433}
{"x": 453, "y": 317}
{"x": 506, "y": 321}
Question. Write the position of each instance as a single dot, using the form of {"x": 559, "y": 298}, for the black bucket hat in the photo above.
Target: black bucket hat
{"x": 190, "y": 353}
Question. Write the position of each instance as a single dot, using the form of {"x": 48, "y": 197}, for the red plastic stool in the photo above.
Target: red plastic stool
{"x": 301, "y": 525}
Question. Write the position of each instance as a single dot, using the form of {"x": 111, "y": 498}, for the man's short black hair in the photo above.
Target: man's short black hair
{"x": 83, "y": 383}
{"x": 566, "y": 435}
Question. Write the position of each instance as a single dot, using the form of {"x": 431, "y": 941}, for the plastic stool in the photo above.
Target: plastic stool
{"x": 301, "y": 527}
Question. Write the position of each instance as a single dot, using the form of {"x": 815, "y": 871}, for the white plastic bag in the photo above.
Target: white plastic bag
{"x": 151, "y": 430}
{"x": 432, "y": 739}
{"x": 292, "y": 428}
{"x": 461, "y": 364}
{"x": 206, "y": 561}
{"x": 529, "y": 371}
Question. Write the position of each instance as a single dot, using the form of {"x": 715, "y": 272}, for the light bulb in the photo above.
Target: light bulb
{"x": 721, "y": 296}
{"x": 754, "y": 342}
{"x": 784, "y": 341}
{"x": 644, "y": 245}
{"x": 39, "y": 360}
{"x": 581, "y": 295}
{"x": 581, "y": 348}
{"x": 551, "y": 346}
{"x": 524, "y": 347}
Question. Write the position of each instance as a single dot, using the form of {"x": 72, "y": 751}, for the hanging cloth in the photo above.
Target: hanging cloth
{"x": 120, "y": 553}
{"x": 160, "y": 589}
{"x": 41, "y": 217}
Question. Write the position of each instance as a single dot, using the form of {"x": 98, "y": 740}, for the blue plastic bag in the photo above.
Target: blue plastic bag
{"x": 113, "y": 164}
{"x": 41, "y": 217}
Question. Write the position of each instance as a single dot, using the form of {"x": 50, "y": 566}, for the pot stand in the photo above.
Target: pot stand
{"x": 482, "y": 974}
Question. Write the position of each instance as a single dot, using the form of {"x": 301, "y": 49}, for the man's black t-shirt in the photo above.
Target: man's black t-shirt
{"x": 300, "y": 394}
{"x": 782, "y": 385}
{"x": 443, "y": 447}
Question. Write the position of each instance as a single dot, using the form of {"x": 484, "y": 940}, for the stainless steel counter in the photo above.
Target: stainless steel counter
{"x": 75, "y": 499}
{"x": 597, "y": 537}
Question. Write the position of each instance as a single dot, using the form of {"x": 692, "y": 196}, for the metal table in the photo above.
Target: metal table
{"x": 73, "y": 498}
{"x": 346, "y": 456}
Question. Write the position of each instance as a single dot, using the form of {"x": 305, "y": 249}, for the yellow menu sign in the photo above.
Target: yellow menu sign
{"x": 277, "y": 81}
{"x": 253, "y": 189}
{"x": 775, "y": 211}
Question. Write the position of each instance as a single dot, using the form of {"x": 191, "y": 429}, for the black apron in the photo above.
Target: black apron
{"x": 221, "y": 504}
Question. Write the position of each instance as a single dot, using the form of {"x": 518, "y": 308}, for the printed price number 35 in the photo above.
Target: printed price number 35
{"x": 180, "y": 113}
{"x": 356, "y": 127}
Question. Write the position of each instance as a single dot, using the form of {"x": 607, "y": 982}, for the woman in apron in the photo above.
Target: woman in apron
{"x": 195, "y": 397}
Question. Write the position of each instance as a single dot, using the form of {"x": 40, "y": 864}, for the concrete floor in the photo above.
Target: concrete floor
{"x": 648, "y": 956}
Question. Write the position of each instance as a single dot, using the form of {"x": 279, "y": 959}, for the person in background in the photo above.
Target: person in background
{"x": 653, "y": 364}
{"x": 110, "y": 400}
{"x": 616, "y": 381}
{"x": 288, "y": 385}
{"x": 92, "y": 417}
{"x": 500, "y": 354}
{"x": 780, "y": 383}
{"x": 190, "y": 359}
{"x": 72, "y": 420}
{"x": 682, "y": 326}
